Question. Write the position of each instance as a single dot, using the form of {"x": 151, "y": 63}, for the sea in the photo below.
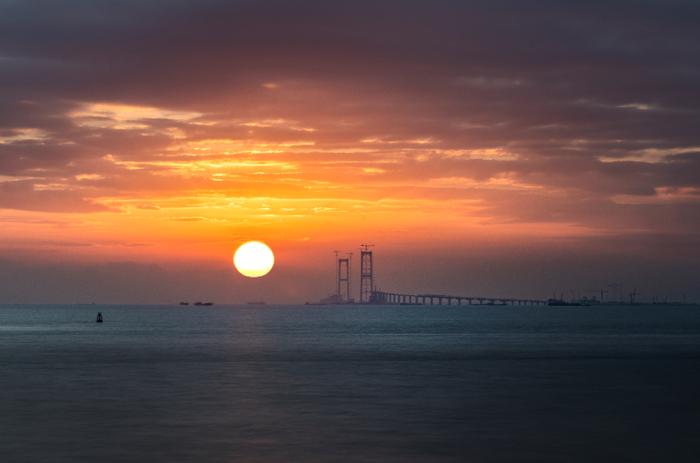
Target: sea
{"x": 349, "y": 384}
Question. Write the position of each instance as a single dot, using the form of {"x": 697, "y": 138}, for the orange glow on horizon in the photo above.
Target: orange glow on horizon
{"x": 185, "y": 184}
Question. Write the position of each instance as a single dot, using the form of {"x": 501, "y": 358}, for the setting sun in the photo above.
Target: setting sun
{"x": 254, "y": 259}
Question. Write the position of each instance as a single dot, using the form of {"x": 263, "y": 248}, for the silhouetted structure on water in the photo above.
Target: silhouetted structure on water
{"x": 369, "y": 294}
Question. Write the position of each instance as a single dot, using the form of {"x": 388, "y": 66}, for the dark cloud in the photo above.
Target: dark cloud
{"x": 22, "y": 194}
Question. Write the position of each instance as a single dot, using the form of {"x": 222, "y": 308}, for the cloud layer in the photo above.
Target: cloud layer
{"x": 191, "y": 124}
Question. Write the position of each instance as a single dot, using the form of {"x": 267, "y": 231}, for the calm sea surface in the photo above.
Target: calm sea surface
{"x": 349, "y": 384}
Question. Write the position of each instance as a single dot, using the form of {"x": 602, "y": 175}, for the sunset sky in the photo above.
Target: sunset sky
{"x": 501, "y": 148}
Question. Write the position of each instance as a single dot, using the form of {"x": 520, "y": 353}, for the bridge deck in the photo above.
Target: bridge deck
{"x": 381, "y": 297}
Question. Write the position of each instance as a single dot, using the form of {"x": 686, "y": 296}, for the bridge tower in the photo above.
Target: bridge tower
{"x": 366, "y": 274}
{"x": 343, "y": 276}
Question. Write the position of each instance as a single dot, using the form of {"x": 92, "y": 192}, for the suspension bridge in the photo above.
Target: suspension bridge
{"x": 369, "y": 294}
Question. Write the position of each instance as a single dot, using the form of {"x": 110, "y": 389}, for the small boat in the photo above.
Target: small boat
{"x": 203, "y": 303}
{"x": 184, "y": 303}
{"x": 99, "y": 317}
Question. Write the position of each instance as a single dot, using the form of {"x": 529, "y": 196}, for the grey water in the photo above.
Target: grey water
{"x": 349, "y": 384}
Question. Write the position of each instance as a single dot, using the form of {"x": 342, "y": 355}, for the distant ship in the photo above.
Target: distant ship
{"x": 203, "y": 303}
{"x": 184, "y": 303}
